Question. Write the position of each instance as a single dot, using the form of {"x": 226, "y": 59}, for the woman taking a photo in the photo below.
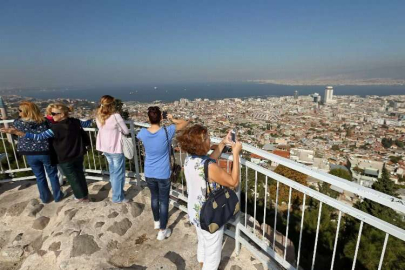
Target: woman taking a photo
{"x": 156, "y": 141}
{"x": 69, "y": 144}
{"x": 37, "y": 153}
{"x": 195, "y": 141}
{"x": 111, "y": 126}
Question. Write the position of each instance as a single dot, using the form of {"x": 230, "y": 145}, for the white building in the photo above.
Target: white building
{"x": 328, "y": 97}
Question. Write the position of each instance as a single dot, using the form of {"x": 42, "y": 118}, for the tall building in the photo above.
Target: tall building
{"x": 3, "y": 113}
{"x": 316, "y": 97}
{"x": 328, "y": 97}
{"x": 295, "y": 94}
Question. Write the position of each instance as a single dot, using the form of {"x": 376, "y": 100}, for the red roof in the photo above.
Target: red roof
{"x": 256, "y": 156}
{"x": 284, "y": 154}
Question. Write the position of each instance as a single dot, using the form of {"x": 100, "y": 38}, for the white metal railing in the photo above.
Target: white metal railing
{"x": 248, "y": 230}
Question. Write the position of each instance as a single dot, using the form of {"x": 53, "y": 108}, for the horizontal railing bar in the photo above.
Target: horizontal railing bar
{"x": 18, "y": 170}
{"x": 356, "y": 213}
{"x": 18, "y": 179}
{"x": 387, "y": 200}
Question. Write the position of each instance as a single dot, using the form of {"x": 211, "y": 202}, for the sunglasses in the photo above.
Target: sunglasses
{"x": 55, "y": 113}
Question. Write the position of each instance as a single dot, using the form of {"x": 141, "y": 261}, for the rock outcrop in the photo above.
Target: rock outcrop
{"x": 95, "y": 235}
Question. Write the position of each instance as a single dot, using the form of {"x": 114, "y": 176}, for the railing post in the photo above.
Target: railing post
{"x": 237, "y": 235}
{"x": 138, "y": 176}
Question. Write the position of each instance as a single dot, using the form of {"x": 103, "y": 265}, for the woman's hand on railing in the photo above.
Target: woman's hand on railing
{"x": 12, "y": 131}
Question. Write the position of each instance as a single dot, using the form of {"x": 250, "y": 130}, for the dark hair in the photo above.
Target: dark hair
{"x": 154, "y": 114}
{"x": 192, "y": 140}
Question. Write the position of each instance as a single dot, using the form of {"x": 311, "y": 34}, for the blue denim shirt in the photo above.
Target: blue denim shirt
{"x": 157, "y": 157}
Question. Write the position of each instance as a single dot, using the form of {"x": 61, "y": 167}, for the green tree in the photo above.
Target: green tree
{"x": 387, "y": 143}
{"x": 399, "y": 143}
{"x": 372, "y": 239}
{"x": 335, "y": 147}
{"x": 395, "y": 159}
{"x": 296, "y": 196}
{"x": 341, "y": 173}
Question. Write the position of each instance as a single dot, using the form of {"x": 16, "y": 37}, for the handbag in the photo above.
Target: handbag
{"x": 127, "y": 143}
{"x": 175, "y": 168}
{"x": 220, "y": 205}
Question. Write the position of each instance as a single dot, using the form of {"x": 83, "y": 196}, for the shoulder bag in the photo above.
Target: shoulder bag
{"x": 220, "y": 205}
{"x": 127, "y": 143}
{"x": 175, "y": 168}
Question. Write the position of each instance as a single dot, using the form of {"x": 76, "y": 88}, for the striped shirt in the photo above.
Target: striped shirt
{"x": 47, "y": 134}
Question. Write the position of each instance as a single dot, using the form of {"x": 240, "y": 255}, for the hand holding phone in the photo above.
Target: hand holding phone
{"x": 233, "y": 135}
{"x": 164, "y": 114}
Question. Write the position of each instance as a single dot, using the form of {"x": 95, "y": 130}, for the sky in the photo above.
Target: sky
{"x": 72, "y": 43}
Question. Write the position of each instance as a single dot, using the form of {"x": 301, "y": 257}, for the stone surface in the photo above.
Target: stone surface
{"x": 35, "y": 210}
{"x": 259, "y": 266}
{"x": 113, "y": 215}
{"x": 17, "y": 209}
{"x": 40, "y": 223}
{"x": 71, "y": 213}
{"x": 41, "y": 252}
{"x": 120, "y": 227}
{"x": 83, "y": 245}
{"x": 2, "y": 211}
{"x": 236, "y": 267}
{"x": 99, "y": 224}
{"x": 124, "y": 209}
{"x": 77, "y": 236}
{"x": 112, "y": 245}
{"x": 12, "y": 253}
{"x": 37, "y": 243}
{"x": 54, "y": 246}
{"x": 136, "y": 209}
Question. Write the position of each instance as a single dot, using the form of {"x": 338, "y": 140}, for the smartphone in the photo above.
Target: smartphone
{"x": 164, "y": 114}
{"x": 233, "y": 135}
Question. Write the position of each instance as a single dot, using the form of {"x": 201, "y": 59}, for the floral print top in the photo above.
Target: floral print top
{"x": 196, "y": 186}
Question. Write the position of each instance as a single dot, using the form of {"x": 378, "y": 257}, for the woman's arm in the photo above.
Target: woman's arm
{"x": 220, "y": 176}
{"x": 180, "y": 123}
{"x": 121, "y": 124}
{"x": 41, "y": 136}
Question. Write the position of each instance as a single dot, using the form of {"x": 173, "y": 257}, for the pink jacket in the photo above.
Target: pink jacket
{"x": 109, "y": 135}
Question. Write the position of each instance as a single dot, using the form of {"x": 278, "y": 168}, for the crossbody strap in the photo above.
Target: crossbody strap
{"x": 118, "y": 125}
{"x": 206, "y": 163}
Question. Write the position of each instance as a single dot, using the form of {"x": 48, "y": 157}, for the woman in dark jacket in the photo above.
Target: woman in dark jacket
{"x": 69, "y": 144}
{"x": 37, "y": 153}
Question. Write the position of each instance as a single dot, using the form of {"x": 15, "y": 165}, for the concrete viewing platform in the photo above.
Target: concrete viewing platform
{"x": 97, "y": 235}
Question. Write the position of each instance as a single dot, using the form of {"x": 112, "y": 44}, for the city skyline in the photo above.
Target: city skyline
{"x": 46, "y": 43}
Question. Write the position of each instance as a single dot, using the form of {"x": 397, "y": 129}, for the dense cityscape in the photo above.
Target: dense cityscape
{"x": 353, "y": 133}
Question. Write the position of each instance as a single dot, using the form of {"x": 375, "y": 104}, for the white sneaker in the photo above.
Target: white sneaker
{"x": 164, "y": 234}
{"x": 157, "y": 225}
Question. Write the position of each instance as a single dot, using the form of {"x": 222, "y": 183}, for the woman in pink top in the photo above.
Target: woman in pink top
{"x": 111, "y": 127}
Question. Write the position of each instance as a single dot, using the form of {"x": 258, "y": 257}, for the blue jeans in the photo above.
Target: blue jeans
{"x": 39, "y": 164}
{"x": 159, "y": 190}
{"x": 116, "y": 164}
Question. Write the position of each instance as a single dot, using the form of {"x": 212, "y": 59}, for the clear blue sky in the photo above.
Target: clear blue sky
{"x": 44, "y": 43}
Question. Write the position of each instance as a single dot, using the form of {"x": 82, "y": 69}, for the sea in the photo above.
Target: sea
{"x": 214, "y": 91}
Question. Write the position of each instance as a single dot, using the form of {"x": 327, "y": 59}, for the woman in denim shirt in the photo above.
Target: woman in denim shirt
{"x": 37, "y": 153}
{"x": 157, "y": 165}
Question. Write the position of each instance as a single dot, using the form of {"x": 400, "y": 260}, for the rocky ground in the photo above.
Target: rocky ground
{"x": 97, "y": 235}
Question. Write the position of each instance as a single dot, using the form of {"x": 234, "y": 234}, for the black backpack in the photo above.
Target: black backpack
{"x": 220, "y": 206}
